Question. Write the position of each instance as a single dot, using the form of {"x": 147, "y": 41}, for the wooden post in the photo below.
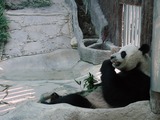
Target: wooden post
{"x": 147, "y": 19}
{"x": 155, "y": 67}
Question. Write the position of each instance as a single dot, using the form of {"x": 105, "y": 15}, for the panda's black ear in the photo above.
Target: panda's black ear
{"x": 144, "y": 48}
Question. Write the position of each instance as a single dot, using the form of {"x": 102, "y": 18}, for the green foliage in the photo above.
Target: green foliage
{"x": 88, "y": 83}
{"x": 2, "y": 3}
{"x": 78, "y": 82}
{"x": 4, "y": 35}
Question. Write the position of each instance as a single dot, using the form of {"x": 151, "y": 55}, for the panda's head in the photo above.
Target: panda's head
{"x": 129, "y": 57}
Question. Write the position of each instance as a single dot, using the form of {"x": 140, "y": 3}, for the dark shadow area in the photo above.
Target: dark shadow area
{"x": 84, "y": 20}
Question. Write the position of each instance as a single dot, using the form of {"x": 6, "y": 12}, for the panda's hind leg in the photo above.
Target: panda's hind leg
{"x": 74, "y": 99}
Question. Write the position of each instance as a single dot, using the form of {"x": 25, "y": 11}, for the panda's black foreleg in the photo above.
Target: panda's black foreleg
{"x": 108, "y": 78}
{"x": 107, "y": 71}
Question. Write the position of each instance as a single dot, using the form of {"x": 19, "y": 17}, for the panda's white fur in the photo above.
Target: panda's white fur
{"x": 133, "y": 57}
{"x": 97, "y": 100}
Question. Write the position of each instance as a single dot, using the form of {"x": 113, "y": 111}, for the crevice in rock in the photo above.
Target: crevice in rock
{"x": 84, "y": 20}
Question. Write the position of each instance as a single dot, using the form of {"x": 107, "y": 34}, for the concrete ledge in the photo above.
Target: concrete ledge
{"x": 90, "y": 54}
{"x": 30, "y": 110}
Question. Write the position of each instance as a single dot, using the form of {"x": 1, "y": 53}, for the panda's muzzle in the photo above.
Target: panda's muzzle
{"x": 114, "y": 61}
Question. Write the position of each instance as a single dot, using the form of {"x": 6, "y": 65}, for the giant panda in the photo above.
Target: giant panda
{"x": 129, "y": 85}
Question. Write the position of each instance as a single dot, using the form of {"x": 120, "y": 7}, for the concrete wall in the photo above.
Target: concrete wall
{"x": 155, "y": 69}
{"x": 156, "y": 48}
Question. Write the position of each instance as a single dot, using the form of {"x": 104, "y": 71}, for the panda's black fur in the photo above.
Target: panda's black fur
{"x": 124, "y": 88}
{"x": 118, "y": 89}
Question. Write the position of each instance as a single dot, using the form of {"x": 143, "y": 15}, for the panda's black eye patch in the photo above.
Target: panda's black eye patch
{"x": 123, "y": 54}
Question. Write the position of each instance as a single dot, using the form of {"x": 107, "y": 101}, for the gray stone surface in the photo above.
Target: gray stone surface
{"x": 31, "y": 110}
{"x": 21, "y": 4}
{"x": 60, "y": 64}
{"x": 31, "y": 69}
{"x": 94, "y": 56}
{"x": 97, "y": 16}
{"x": 155, "y": 66}
{"x": 37, "y": 31}
{"x": 156, "y": 46}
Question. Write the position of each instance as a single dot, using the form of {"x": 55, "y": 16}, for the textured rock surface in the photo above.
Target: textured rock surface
{"x": 36, "y": 111}
{"x": 9, "y": 2}
{"x": 26, "y": 73}
{"x": 94, "y": 56}
{"x": 37, "y": 31}
{"x": 155, "y": 82}
{"x": 20, "y": 4}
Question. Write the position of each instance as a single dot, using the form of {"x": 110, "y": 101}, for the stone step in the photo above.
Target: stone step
{"x": 60, "y": 64}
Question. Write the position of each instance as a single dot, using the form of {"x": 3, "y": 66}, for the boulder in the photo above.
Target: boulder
{"x": 31, "y": 110}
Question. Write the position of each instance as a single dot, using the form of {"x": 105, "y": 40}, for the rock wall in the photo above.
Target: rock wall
{"x": 38, "y": 31}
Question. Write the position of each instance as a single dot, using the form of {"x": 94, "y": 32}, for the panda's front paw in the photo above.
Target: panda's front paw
{"x": 107, "y": 64}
